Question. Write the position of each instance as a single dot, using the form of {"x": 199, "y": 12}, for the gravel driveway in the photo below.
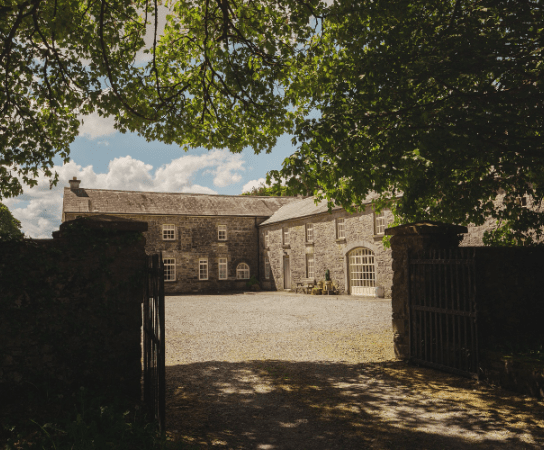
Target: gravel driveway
{"x": 282, "y": 371}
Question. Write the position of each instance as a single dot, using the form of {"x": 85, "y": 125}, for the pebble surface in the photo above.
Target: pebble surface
{"x": 291, "y": 327}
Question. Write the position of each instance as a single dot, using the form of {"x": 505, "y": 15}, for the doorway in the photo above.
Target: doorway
{"x": 286, "y": 273}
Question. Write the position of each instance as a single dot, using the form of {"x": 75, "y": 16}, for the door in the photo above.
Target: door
{"x": 286, "y": 273}
{"x": 362, "y": 274}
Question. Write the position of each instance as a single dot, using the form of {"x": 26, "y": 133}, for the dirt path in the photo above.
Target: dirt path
{"x": 294, "y": 372}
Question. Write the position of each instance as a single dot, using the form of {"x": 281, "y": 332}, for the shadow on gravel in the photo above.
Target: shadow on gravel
{"x": 320, "y": 405}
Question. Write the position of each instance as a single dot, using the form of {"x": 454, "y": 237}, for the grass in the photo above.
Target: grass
{"x": 81, "y": 421}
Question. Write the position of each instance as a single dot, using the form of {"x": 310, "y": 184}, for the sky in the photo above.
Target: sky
{"x": 103, "y": 158}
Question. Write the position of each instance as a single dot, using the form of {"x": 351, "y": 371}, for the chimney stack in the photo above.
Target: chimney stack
{"x": 74, "y": 183}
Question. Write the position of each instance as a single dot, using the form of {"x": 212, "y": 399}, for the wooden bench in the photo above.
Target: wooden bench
{"x": 305, "y": 285}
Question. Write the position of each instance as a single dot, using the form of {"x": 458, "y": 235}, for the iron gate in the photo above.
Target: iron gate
{"x": 442, "y": 310}
{"x": 153, "y": 339}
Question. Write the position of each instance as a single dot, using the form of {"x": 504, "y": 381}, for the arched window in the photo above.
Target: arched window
{"x": 362, "y": 271}
{"x": 242, "y": 271}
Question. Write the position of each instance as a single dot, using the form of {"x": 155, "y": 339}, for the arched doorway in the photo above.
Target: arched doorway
{"x": 362, "y": 272}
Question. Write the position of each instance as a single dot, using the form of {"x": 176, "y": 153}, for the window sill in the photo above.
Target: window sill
{"x": 286, "y": 246}
{"x": 379, "y": 236}
{"x": 341, "y": 240}
{"x": 309, "y": 242}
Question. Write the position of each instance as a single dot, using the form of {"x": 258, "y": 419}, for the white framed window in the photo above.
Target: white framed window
{"x": 168, "y": 232}
{"x": 285, "y": 232}
{"x": 310, "y": 271}
{"x": 223, "y": 269}
{"x": 242, "y": 271}
{"x": 169, "y": 269}
{"x": 222, "y": 232}
{"x": 266, "y": 239}
{"x": 266, "y": 267}
{"x": 309, "y": 232}
{"x": 203, "y": 269}
{"x": 380, "y": 222}
{"x": 340, "y": 231}
{"x": 362, "y": 271}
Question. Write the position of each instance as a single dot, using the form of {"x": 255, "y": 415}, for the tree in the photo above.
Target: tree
{"x": 10, "y": 227}
{"x": 213, "y": 79}
{"x": 268, "y": 191}
{"x": 438, "y": 102}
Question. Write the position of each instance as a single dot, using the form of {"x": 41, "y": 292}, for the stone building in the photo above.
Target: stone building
{"x": 213, "y": 243}
{"x": 303, "y": 240}
{"x": 209, "y": 243}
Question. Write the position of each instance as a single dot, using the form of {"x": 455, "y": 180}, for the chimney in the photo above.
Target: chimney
{"x": 74, "y": 183}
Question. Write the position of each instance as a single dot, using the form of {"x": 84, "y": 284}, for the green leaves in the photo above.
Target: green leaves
{"x": 439, "y": 101}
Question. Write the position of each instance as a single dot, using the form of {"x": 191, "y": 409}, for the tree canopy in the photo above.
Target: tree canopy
{"x": 214, "y": 78}
{"x": 436, "y": 102}
{"x": 10, "y": 227}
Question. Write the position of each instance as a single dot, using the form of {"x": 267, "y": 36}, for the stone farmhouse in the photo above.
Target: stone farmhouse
{"x": 216, "y": 243}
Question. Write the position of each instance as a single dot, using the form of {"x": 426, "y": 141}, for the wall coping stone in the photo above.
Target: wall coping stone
{"x": 103, "y": 222}
{"x": 426, "y": 227}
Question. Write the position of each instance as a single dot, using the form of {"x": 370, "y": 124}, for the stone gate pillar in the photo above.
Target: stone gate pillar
{"x": 407, "y": 238}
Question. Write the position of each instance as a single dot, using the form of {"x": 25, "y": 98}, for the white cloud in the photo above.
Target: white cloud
{"x": 95, "y": 126}
{"x": 40, "y": 209}
{"x": 253, "y": 184}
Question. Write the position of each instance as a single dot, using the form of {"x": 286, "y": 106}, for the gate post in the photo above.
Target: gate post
{"x": 407, "y": 239}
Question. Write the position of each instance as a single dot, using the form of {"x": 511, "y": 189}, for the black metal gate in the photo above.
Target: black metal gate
{"x": 153, "y": 339}
{"x": 442, "y": 310}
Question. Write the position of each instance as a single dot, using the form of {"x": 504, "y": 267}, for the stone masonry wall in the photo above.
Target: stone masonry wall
{"x": 329, "y": 253}
{"x": 196, "y": 237}
{"x": 71, "y": 311}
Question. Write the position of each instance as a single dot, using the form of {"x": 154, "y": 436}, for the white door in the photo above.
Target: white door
{"x": 286, "y": 273}
{"x": 362, "y": 272}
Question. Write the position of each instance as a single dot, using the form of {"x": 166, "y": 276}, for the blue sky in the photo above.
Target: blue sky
{"x": 103, "y": 158}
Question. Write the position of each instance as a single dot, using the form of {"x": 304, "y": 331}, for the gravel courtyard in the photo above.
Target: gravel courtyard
{"x": 284, "y": 371}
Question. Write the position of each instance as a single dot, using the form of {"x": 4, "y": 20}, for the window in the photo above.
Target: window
{"x": 222, "y": 268}
{"x": 169, "y": 269}
{"x": 222, "y": 232}
{"x": 309, "y": 232}
{"x": 310, "y": 271}
{"x": 380, "y": 223}
{"x": 340, "y": 233}
{"x": 521, "y": 201}
{"x": 242, "y": 271}
{"x": 266, "y": 240}
{"x": 168, "y": 232}
{"x": 286, "y": 236}
{"x": 203, "y": 269}
{"x": 266, "y": 267}
{"x": 362, "y": 273}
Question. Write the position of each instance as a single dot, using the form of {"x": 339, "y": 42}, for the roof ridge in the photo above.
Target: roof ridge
{"x": 191, "y": 193}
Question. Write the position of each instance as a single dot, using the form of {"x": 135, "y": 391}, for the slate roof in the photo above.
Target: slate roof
{"x": 106, "y": 201}
{"x": 305, "y": 208}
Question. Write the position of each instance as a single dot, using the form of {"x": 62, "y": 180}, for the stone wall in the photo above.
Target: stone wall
{"x": 196, "y": 237}
{"x": 71, "y": 309}
{"x": 329, "y": 252}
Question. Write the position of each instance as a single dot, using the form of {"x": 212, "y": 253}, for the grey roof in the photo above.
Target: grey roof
{"x": 105, "y": 201}
{"x": 305, "y": 208}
